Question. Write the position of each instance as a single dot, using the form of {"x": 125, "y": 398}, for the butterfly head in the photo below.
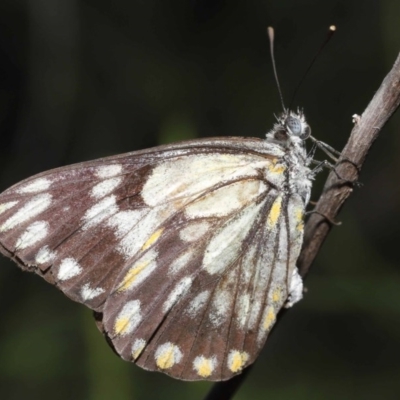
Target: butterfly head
{"x": 291, "y": 127}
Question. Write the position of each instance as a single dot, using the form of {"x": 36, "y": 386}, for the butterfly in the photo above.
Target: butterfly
{"x": 185, "y": 252}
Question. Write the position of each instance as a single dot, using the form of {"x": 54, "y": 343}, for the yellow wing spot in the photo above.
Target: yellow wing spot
{"x": 275, "y": 212}
{"x": 132, "y": 275}
{"x": 276, "y": 169}
{"x": 152, "y": 239}
{"x": 299, "y": 215}
{"x": 204, "y": 366}
{"x": 137, "y": 348}
{"x": 269, "y": 319}
{"x": 237, "y": 360}
{"x": 277, "y": 295}
{"x": 121, "y": 325}
{"x": 167, "y": 355}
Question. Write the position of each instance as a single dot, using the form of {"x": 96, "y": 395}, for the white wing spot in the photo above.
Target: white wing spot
{"x": 123, "y": 221}
{"x": 38, "y": 185}
{"x": 198, "y": 303}
{"x": 32, "y": 208}
{"x": 183, "y": 178}
{"x": 137, "y": 348}
{"x": 69, "y": 268}
{"x": 237, "y": 360}
{"x": 220, "y": 307}
{"x": 105, "y": 187}
{"x": 225, "y": 246}
{"x": 88, "y": 293}
{"x": 45, "y": 255}
{"x": 243, "y": 309}
{"x": 99, "y": 212}
{"x": 108, "y": 171}
{"x": 139, "y": 271}
{"x": 194, "y": 231}
{"x": 204, "y": 366}
{"x": 34, "y": 233}
{"x": 181, "y": 261}
{"x": 167, "y": 355}
{"x": 136, "y": 238}
{"x": 225, "y": 200}
{"x": 254, "y": 314}
{"x": 179, "y": 291}
{"x": 6, "y": 206}
{"x": 128, "y": 318}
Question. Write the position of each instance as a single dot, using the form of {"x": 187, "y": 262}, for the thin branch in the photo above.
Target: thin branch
{"x": 336, "y": 191}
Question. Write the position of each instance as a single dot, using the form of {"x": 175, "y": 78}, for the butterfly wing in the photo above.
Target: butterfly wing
{"x": 186, "y": 252}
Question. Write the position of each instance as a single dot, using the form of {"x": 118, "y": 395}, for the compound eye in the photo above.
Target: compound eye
{"x": 293, "y": 125}
{"x": 306, "y": 133}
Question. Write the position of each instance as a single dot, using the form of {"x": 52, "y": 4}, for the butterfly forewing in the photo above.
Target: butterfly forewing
{"x": 186, "y": 251}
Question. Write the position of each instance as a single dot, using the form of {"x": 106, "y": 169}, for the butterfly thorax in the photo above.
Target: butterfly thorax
{"x": 290, "y": 133}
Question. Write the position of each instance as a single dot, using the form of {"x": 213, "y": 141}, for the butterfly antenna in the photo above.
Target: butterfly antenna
{"x": 328, "y": 37}
{"x": 270, "y": 32}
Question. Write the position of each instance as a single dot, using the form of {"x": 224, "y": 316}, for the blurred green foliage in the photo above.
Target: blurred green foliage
{"x": 85, "y": 79}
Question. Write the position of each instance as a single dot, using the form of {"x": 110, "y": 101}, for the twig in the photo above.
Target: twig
{"x": 336, "y": 191}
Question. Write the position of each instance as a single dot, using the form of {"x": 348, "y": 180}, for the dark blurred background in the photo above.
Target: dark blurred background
{"x": 82, "y": 79}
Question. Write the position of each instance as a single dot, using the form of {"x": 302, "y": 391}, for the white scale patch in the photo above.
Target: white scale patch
{"x": 105, "y": 187}
{"x": 88, "y": 293}
{"x": 237, "y": 360}
{"x": 139, "y": 271}
{"x": 249, "y": 264}
{"x": 198, "y": 303}
{"x": 38, "y": 185}
{"x": 108, "y": 171}
{"x": 99, "y": 212}
{"x": 181, "y": 261}
{"x": 204, "y": 366}
{"x": 225, "y": 246}
{"x": 134, "y": 240}
{"x": 221, "y": 304}
{"x": 262, "y": 271}
{"x": 194, "y": 231}
{"x": 137, "y": 348}
{"x": 128, "y": 318}
{"x": 31, "y": 209}
{"x": 69, "y": 268}
{"x": 34, "y": 233}
{"x": 124, "y": 221}
{"x": 243, "y": 307}
{"x": 295, "y": 290}
{"x": 167, "y": 355}
{"x": 225, "y": 200}
{"x": 263, "y": 279}
{"x": 183, "y": 179}
{"x": 254, "y": 313}
{"x": 6, "y": 206}
{"x": 45, "y": 255}
{"x": 179, "y": 291}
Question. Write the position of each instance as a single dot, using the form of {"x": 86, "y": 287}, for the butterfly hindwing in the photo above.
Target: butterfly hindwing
{"x": 186, "y": 251}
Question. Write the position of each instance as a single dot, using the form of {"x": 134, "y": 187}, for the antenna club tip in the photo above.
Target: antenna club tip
{"x": 332, "y": 28}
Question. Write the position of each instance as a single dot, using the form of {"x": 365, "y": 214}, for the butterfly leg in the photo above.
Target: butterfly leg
{"x": 330, "y": 220}
{"x": 328, "y": 150}
{"x": 320, "y": 165}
